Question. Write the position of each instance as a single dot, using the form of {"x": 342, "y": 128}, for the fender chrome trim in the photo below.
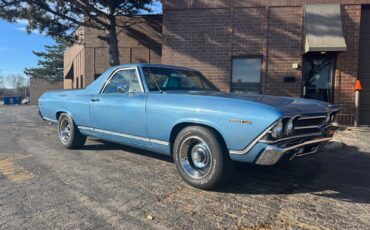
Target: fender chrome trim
{"x": 159, "y": 142}
{"x": 84, "y": 127}
{"x": 48, "y": 119}
{"x": 253, "y": 143}
{"x": 155, "y": 141}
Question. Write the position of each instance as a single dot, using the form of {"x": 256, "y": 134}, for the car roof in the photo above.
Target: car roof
{"x": 153, "y": 65}
{"x": 96, "y": 85}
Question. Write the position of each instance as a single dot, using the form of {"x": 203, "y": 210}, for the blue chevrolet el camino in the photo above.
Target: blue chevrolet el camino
{"x": 177, "y": 111}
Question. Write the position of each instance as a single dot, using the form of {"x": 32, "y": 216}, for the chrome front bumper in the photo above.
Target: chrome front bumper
{"x": 272, "y": 154}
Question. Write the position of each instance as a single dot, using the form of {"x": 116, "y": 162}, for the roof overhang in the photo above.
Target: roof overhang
{"x": 323, "y": 28}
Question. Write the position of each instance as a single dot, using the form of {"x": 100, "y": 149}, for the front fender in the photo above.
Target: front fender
{"x": 196, "y": 121}
{"x": 238, "y": 122}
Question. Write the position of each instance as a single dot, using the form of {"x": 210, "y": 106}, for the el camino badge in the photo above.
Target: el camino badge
{"x": 245, "y": 122}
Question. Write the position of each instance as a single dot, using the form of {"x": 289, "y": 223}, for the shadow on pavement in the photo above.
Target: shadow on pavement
{"x": 102, "y": 145}
{"x": 343, "y": 175}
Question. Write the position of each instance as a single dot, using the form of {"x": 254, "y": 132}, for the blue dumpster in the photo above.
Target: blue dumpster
{"x": 12, "y": 100}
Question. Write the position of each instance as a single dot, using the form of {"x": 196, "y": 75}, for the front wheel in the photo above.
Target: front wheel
{"x": 68, "y": 132}
{"x": 200, "y": 158}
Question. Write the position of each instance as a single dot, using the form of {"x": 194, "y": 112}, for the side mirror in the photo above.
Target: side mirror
{"x": 122, "y": 88}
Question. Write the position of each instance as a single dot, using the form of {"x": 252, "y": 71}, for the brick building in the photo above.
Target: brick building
{"x": 293, "y": 47}
{"x": 302, "y": 48}
{"x": 40, "y": 86}
{"x": 88, "y": 58}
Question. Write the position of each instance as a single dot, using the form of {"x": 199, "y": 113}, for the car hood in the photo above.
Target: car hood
{"x": 288, "y": 105}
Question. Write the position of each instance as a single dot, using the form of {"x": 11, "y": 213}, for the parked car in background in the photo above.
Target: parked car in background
{"x": 177, "y": 111}
{"x": 26, "y": 101}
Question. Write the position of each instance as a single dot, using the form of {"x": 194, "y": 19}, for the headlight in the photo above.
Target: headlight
{"x": 278, "y": 130}
{"x": 289, "y": 128}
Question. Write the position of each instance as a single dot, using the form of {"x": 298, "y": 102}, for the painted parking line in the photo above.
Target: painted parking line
{"x": 14, "y": 172}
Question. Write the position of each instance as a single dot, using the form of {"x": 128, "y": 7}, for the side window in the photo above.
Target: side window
{"x": 123, "y": 81}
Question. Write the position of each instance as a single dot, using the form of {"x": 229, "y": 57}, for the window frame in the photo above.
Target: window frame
{"x": 107, "y": 81}
{"x": 180, "y": 69}
{"x": 260, "y": 57}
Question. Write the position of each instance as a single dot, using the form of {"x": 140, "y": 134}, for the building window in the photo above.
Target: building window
{"x": 82, "y": 81}
{"x": 246, "y": 75}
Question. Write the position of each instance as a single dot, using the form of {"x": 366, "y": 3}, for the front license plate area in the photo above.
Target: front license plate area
{"x": 305, "y": 151}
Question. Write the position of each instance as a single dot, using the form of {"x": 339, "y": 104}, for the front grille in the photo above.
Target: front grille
{"x": 306, "y": 127}
{"x": 309, "y": 124}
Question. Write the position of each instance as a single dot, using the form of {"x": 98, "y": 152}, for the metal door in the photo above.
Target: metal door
{"x": 118, "y": 111}
{"x": 318, "y": 71}
{"x": 364, "y": 67}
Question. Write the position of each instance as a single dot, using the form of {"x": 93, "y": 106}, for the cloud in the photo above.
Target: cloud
{"x": 22, "y": 22}
{"x": 24, "y": 29}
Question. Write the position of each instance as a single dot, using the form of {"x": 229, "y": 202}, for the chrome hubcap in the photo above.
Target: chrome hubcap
{"x": 200, "y": 156}
{"x": 195, "y": 157}
{"x": 65, "y": 130}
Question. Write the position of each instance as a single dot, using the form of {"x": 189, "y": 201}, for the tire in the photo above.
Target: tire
{"x": 200, "y": 158}
{"x": 68, "y": 132}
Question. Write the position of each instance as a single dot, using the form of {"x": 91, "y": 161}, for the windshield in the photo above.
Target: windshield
{"x": 175, "y": 79}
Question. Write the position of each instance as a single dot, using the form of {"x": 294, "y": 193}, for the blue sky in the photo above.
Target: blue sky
{"x": 16, "y": 47}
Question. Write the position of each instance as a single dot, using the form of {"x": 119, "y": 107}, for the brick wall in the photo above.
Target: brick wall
{"x": 199, "y": 39}
{"x": 139, "y": 43}
{"x": 347, "y": 64}
{"x": 207, "y": 39}
{"x": 39, "y": 86}
{"x": 186, "y": 4}
{"x": 205, "y": 35}
{"x": 73, "y": 61}
{"x": 284, "y": 48}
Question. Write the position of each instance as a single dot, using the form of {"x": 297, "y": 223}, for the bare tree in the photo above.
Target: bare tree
{"x": 16, "y": 81}
{"x": 1, "y": 80}
{"x": 2, "y": 87}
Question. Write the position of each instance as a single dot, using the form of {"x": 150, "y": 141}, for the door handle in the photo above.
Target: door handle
{"x": 95, "y": 99}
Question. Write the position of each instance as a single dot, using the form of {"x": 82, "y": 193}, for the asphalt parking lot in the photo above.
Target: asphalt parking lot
{"x": 103, "y": 185}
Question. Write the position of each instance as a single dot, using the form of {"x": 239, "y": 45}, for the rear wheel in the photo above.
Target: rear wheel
{"x": 68, "y": 132}
{"x": 200, "y": 158}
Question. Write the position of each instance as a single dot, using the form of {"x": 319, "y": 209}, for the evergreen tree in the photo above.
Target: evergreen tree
{"x": 60, "y": 18}
{"x": 50, "y": 62}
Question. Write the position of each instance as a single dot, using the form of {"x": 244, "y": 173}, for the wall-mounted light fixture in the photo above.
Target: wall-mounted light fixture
{"x": 295, "y": 66}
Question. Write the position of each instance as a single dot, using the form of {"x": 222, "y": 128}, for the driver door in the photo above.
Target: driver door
{"x": 118, "y": 112}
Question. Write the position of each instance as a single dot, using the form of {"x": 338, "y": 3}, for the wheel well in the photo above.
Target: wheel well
{"x": 176, "y": 130}
{"x": 58, "y": 114}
